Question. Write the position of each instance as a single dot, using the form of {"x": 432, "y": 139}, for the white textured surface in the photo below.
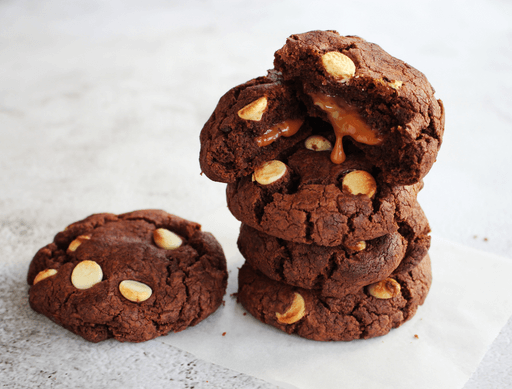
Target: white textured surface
{"x": 101, "y": 104}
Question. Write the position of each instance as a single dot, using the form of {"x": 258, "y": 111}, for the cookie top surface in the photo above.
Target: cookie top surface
{"x": 379, "y": 104}
{"x": 316, "y": 201}
{"x": 371, "y": 311}
{"x": 131, "y": 277}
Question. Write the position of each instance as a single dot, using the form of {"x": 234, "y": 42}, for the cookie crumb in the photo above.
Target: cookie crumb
{"x": 223, "y": 334}
{"x": 416, "y": 336}
{"x": 223, "y": 303}
{"x": 245, "y": 313}
{"x": 475, "y": 236}
{"x": 485, "y": 239}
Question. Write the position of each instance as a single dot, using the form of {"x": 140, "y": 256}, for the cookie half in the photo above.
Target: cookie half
{"x": 252, "y": 123}
{"x": 131, "y": 277}
{"x": 380, "y": 104}
{"x": 305, "y": 198}
{"x": 372, "y": 311}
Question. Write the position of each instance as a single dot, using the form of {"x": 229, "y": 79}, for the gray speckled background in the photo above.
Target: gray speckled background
{"x": 101, "y": 104}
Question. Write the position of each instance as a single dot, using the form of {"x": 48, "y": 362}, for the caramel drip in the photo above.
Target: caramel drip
{"x": 346, "y": 121}
{"x": 286, "y": 128}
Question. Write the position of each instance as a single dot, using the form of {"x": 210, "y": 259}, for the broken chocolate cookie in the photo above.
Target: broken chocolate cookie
{"x": 380, "y": 104}
{"x": 370, "y": 100}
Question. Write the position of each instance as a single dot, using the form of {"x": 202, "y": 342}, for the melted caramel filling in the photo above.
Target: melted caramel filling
{"x": 286, "y": 128}
{"x": 345, "y": 120}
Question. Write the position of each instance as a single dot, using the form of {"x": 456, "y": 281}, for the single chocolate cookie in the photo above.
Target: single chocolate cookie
{"x": 333, "y": 271}
{"x": 252, "y": 123}
{"x": 131, "y": 277}
{"x": 372, "y": 311}
{"x": 382, "y": 105}
{"x": 305, "y": 198}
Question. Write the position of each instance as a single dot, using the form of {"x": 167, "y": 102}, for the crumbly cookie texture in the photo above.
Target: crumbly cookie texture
{"x": 136, "y": 276}
{"x": 371, "y": 311}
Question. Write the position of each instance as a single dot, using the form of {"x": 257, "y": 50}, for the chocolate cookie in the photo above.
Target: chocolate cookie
{"x": 252, "y": 123}
{"x": 382, "y": 105}
{"x": 305, "y": 198}
{"x": 369, "y": 99}
{"x": 131, "y": 277}
{"x": 333, "y": 271}
{"x": 372, "y": 311}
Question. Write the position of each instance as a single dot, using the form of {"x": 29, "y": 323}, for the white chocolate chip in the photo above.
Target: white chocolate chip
{"x": 385, "y": 289}
{"x": 77, "y": 242}
{"x": 44, "y": 274}
{"x": 269, "y": 172}
{"x": 359, "y": 246}
{"x": 338, "y": 65}
{"x": 296, "y": 311}
{"x": 254, "y": 111}
{"x": 318, "y": 143}
{"x": 166, "y": 239}
{"x": 359, "y": 181}
{"x": 86, "y": 274}
{"x": 395, "y": 84}
{"x": 135, "y": 291}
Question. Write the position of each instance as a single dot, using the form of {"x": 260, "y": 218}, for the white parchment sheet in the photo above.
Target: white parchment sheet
{"x": 468, "y": 304}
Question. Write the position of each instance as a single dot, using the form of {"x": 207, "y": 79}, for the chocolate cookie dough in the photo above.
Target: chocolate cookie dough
{"x": 382, "y": 105}
{"x": 333, "y": 271}
{"x": 305, "y": 198}
{"x": 371, "y": 311}
{"x": 131, "y": 277}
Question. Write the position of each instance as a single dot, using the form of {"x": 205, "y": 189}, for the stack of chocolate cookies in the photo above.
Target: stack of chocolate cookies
{"x": 324, "y": 158}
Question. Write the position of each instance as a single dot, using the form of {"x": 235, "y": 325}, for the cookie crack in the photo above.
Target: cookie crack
{"x": 143, "y": 218}
{"x": 309, "y": 227}
{"x": 328, "y": 272}
{"x": 286, "y": 256}
{"x": 359, "y": 321}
